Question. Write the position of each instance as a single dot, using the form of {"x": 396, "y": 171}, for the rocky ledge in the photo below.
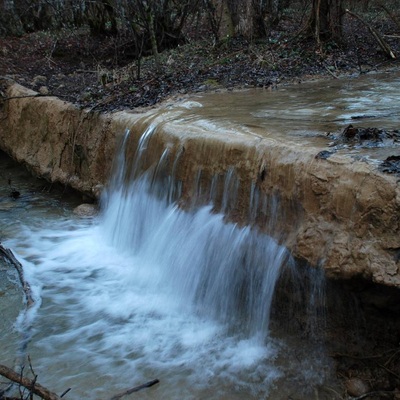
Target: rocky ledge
{"x": 336, "y": 212}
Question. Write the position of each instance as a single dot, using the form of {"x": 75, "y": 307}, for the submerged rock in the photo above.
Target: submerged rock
{"x": 86, "y": 210}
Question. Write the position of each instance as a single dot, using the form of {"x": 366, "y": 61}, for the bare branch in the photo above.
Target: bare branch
{"x": 29, "y": 384}
{"x": 135, "y": 389}
{"x": 384, "y": 46}
{"x": 8, "y": 255}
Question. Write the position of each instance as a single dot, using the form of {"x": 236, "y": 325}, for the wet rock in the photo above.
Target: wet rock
{"x": 86, "y": 210}
{"x": 356, "y": 387}
{"x": 97, "y": 190}
{"x": 367, "y": 137}
{"x": 323, "y": 155}
{"x": 391, "y": 165}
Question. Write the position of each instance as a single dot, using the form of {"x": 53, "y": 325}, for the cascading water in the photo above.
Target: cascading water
{"x": 214, "y": 268}
{"x": 148, "y": 290}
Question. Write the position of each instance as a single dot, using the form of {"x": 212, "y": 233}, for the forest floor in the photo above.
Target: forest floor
{"x": 101, "y": 72}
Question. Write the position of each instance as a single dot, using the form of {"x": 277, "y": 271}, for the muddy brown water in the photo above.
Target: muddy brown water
{"x": 144, "y": 290}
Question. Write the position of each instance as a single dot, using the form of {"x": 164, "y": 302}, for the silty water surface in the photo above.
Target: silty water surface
{"x": 303, "y": 114}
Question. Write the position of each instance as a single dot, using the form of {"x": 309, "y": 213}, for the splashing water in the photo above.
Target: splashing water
{"x": 150, "y": 291}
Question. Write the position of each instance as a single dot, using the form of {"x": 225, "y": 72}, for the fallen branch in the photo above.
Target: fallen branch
{"x": 384, "y": 46}
{"x": 8, "y": 255}
{"x": 29, "y": 384}
{"x": 135, "y": 389}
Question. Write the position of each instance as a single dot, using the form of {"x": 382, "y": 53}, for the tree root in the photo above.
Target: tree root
{"x": 8, "y": 255}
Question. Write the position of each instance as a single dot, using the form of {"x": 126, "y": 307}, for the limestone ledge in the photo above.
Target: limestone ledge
{"x": 338, "y": 213}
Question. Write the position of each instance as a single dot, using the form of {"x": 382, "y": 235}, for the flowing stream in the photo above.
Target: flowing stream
{"x": 147, "y": 290}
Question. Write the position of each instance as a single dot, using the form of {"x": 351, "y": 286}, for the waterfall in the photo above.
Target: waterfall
{"x": 159, "y": 288}
{"x": 214, "y": 267}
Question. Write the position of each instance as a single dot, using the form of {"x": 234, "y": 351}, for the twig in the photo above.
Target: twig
{"x": 85, "y": 71}
{"x": 391, "y": 357}
{"x": 135, "y": 389}
{"x": 29, "y": 384}
{"x": 370, "y": 394}
{"x": 389, "y": 371}
{"x": 334, "y": 75}
{"x": 395, "y": 350}
{"x": 8, "y": 255}
{"x": 112, "y": 97}
{"x": 65, "y": 392}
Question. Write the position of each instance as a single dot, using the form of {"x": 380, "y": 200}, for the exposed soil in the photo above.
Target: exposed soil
{"x": 101, "y": 72}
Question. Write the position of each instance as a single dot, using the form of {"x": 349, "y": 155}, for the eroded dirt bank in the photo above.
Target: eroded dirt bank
{"x": 339, "y": 213}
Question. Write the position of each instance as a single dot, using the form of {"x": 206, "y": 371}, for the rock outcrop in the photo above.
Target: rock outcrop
{"x": 335, "y": 212}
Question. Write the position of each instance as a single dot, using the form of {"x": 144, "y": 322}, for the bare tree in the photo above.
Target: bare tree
{"x": 326, "y": 19}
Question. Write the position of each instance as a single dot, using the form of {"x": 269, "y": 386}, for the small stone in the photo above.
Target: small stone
{"x": 86, "y": 210}
{"x": 44, "y": 90}
{"x": 356, "y": 387}
{"x": 97, "y": 190}
{"x": 39, "y": 80}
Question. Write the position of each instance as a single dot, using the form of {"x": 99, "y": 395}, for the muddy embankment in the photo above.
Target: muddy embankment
{"x": 339, "y": 213}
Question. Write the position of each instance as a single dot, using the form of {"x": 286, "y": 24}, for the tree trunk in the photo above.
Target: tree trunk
{"x": 153, "y": 38}
{"x": 254, "y": 18}
{"x": 326, "y": 19}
